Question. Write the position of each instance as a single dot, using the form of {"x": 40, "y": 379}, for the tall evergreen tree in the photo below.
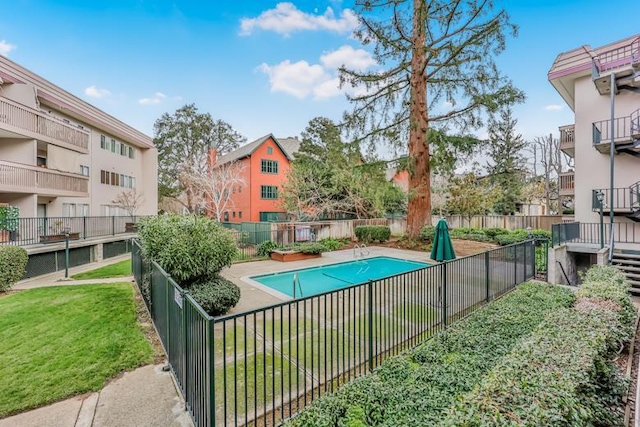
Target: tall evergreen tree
{"x": 437, "y": 60}
{"x": 507, "y": 165}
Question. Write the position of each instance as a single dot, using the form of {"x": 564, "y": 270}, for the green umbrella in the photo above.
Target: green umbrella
{"x": 442, "y": 248}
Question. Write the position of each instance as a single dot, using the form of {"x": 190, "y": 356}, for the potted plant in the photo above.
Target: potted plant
{"x": 9, "y": 220}
{"x": 58, "y": 233}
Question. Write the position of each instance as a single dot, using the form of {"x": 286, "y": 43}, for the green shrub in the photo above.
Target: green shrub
{"x": 478, "y": 236}
{"x": 373, "y": 233}
{"x": 560, "y": 375}
{"x": 574, "y": 381}
{"x": 427, "y": 233}
{"x": 9, "y": 218}
{"x": 13, "y": 261}
{"x": 459, "y": 233}
{"x": 540, "y": 234}
{"x": 187, "y": 247}
{"x": 610, "y": 284}
{"x": 310, "y": 248}
{"x": 331, "y": 244}
{"x": 215, "y": 295}
{"x": 417, "y": 387}
{"x": 495, "y": 231}
{"x": 265, "y": 248}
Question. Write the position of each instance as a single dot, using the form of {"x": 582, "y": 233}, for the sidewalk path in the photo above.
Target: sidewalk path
{"x": 145, "y": 397}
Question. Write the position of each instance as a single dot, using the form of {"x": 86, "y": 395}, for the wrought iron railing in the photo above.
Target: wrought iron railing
{"x": 261, "y": 366}
{"x": 31, "y": 231}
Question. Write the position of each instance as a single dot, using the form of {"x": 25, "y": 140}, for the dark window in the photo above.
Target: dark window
{"x": 239, "y": 188}
{"x": 269, "y": 192}
{"x": 42, "y": 161}
{"x": 131, "y": 155}
{"x": 234, "y": 214}
{"x": 226, "y": 216}
{"x": 103, "y": 141}
{"x": 269, "y": 166}
{"x": 240, "y": 214}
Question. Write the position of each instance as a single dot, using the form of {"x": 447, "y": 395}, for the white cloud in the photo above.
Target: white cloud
{"x": 157, "y": 98}
{"x": 298, "y": 78}
{"x": 302, "y": 79}
{"x": 94, "y": 92}
{"x": 6, "y": 47}
{"x": 356, "y": 59}
{"x": 554, "y": 107}
{"x": 287, "y": 18}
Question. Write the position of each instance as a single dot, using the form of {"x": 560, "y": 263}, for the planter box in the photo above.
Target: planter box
{"x": 4, "y": 235}
{"x": 130, "y": 227}
{"x": 54, "y": 238}
{"x": 286, "y": 256}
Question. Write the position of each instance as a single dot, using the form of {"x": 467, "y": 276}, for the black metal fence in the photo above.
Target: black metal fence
{"x": 248, "y": 240}
{"x": 589, "y": 232}
{"x": 262, "y": 366}
{"x": 31, "y": 231}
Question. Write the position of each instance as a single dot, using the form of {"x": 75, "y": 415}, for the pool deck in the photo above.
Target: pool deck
{"x": 253, "y": 297}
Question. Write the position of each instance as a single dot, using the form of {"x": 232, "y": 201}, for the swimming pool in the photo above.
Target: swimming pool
{"x": 315, "y": 280}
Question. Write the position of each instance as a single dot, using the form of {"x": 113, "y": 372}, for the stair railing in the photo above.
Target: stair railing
{"x": 635, "y": 124}
{"x": 634, "y": 196}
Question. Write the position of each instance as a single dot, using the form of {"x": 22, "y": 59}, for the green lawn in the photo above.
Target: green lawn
{"x": 56, "y": 342}
{"x": 119, "y": 269}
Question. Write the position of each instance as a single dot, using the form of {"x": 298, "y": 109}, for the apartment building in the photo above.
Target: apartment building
{"x": 61, "y": 156}
{"x": 265, "y": 163}
{"x": 591, "y": 81}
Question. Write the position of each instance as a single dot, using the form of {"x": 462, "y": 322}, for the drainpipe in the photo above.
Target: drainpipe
{"x": 612, "y": 151}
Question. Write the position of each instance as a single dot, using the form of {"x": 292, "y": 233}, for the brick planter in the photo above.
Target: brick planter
{"x": 54, "y": 238}
{"x": 286, "y": 256}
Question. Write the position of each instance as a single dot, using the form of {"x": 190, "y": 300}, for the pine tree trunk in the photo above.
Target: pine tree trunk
{"x": 419, "y": 206}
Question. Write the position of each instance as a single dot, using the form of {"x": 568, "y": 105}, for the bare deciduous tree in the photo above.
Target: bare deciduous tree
{"x": 548, "y": 163}
{"x": 211, "y": 190}
{"x": 130, "y": 201}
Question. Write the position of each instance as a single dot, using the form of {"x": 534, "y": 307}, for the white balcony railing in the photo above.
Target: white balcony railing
{"x": 567, "y": 138}
{"x": 40, "y": 125}
{"x": 19, "y": 178}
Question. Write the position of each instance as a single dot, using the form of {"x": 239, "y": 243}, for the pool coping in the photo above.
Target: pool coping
{"x": 284, "y": 297}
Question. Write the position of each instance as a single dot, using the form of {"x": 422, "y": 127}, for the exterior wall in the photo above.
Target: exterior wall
{"x": 23, "y": 90}
{"x": 258, "y": 179}
{"x": 18, "y": 150}
{"x": 591, "y": 166}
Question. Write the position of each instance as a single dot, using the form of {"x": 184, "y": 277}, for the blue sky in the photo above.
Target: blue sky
{"x": 263, "y": 66}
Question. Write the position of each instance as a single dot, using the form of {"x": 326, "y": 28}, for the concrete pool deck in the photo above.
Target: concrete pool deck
{"x": 253, "y": 297}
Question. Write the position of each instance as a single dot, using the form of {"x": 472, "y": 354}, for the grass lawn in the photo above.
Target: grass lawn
{"x": 119, "y": 269}
{"x": 56, "y": 342}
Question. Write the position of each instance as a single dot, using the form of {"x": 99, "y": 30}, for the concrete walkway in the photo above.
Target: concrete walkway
{"x": 144, "y": 397}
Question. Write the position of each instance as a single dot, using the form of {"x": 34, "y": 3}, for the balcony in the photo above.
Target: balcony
{"x": 567, "y": 140}
{"x": 626, "y": 134}
{"x": 567, "y": 184}
{"x": 622, "y": 63}
{"x": 22, "y": 120}
{"x": 19, "y": 178}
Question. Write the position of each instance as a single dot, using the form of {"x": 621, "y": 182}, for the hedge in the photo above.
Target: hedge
{"x": 416, "y": 388}
{"x": 371, "y": 233}
{"x": 215, "y": 295}
{"x": 189, "y": 248}
{"x": 13, "y": 261}
{"x": 574, "y": 382}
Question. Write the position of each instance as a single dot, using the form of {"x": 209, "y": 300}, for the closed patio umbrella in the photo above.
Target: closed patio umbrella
{"x": 442, "y": 248}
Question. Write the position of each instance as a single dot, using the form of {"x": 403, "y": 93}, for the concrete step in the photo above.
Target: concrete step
{"x": 626, "y": 255}
{"x": 620, "y": 261}
{"x": 632, "y": 276}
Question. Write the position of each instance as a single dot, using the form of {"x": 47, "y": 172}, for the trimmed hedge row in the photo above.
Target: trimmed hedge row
{"x": 416, "y": 388}
{"x": 562, "y": 375}
{"x": 498, "y": 235}
{"x": 372, "y": 233}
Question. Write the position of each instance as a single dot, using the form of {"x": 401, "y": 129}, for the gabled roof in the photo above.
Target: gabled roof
{"x": 289, "y": 146}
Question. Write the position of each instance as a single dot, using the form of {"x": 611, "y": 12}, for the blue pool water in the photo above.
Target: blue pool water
{"x": 315, "y": 280}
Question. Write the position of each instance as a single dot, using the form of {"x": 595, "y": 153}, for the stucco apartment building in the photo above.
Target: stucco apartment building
{"x": 583, "y": 77}
{"x": 61, "y": 156}
{"x": 265, "y": 164}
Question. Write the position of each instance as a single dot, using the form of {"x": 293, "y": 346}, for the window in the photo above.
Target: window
{"x": 42, "y": 161}
{"x": 68, "y": 209}
{"x": 123, "y": 149}
{"x": 113, "y": 145}
{"x": 226, "y": 217}
{"x": 268, "y": 192}
{"x": 84, "y": 170}
{"x": 104, "y": 177}
{"x": 239, "y": 188}
{"x": 83, "y": 209}
{"x": 117, "y": 179}
{"x": 131, "y": 152}
{"x": 234, "y": 214}
{"x": 240, "y": 214}
{"x": 269, "y": 166}
{"x": 103, "y": 141}
{"x": 269, "y": 150}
